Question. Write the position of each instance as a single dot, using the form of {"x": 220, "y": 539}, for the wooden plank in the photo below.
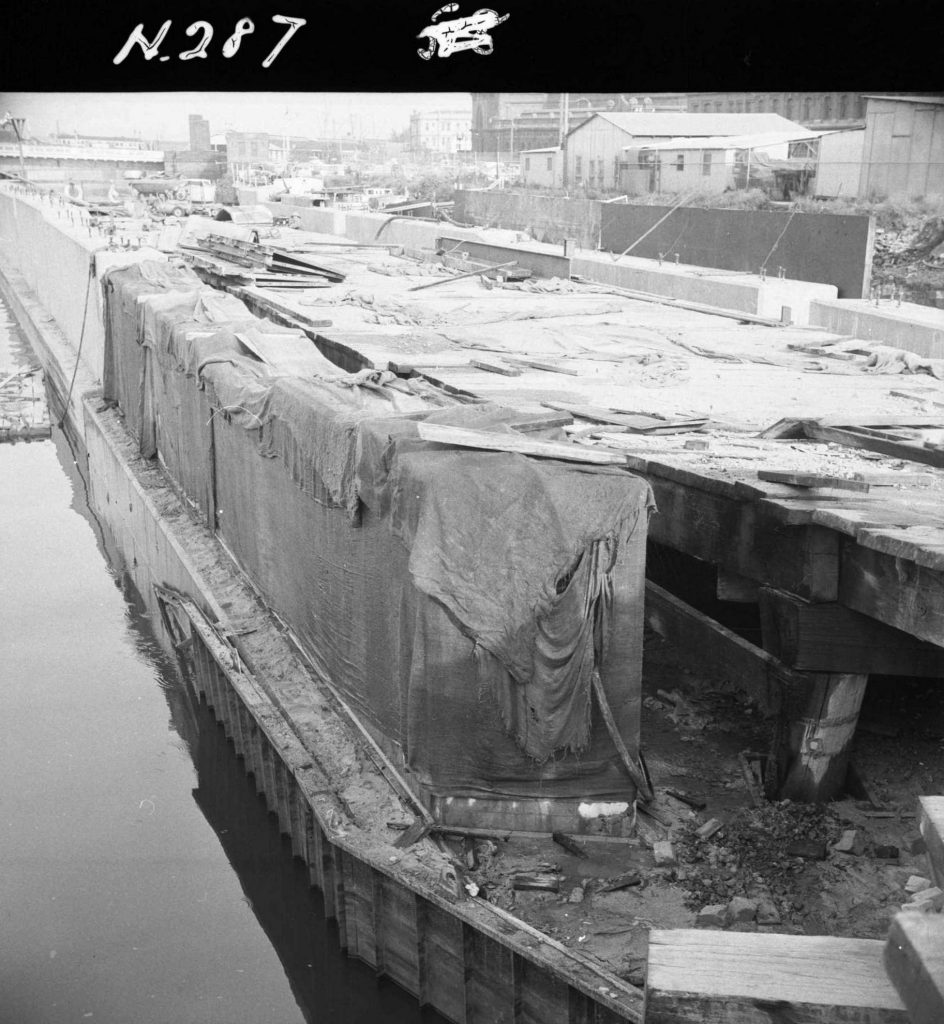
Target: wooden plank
{"x": 489, "y": 978}
{"x": 821, "y": 737}
{"x": 784, "y": 429}
{"x": 879, "y": 419}
{"x": 442, "y": 940}
{"x": 359, "y": 909}
{"x": 601, "y": 415}
{"x": 702, "y": 976}
{"x": 633, "y": 769}
{"x": 893, "y": 590}
{"x": 583, "y": 1010}
{"x": 896, "y": 449}
{"x": 914, "y": 961}
{"x": 504, "y": 834}
{"x": 407, "y": 362}
{"x": 397, "y": 940}
{"x": 846, "y": 520}
{"x": 536, "y": 364}
{"x": 483, "y": 440}
{"x": 832, "y": 638}
{"x": 777, "y": 476}
{"x": 922, "y": 543}
{"x": 490, "y": 367}
{"x": 931, "y": 826}
{"x": 459, "y": 277}
{"x": 531, "y": 423}
{"x": 727, "y": 659}
{"x": 538, "y": 998}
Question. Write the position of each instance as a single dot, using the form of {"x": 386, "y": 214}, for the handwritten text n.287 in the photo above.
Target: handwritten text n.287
{"x": 244, "y": 27}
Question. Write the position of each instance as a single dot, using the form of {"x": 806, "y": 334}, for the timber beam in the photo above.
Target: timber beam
{"x": 914, "y": 960}
{"x": 894, "y": 590}
{"x": 744, "y": 536}
{"x": 697, "y": 976}
{"x": 832, "y": 638}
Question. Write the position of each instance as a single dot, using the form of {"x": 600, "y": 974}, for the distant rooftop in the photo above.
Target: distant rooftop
{"x": 673, "y": 124}
{"x": 735, "y": 141}
{"x": 905, "y": 99}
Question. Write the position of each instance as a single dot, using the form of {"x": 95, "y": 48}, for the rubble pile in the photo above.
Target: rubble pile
{"x": 916, "y": 241}
{"x": 762, "y": 853}
{"x": 909, "y": 263}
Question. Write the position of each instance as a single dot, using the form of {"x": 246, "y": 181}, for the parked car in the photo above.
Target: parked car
{"x": 171, "y": 207}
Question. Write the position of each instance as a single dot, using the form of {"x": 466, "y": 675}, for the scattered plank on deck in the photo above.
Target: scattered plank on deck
{"x": 481, "y": 439}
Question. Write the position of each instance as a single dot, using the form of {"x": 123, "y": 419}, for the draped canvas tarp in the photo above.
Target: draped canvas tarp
{"x": 461, "y": 600}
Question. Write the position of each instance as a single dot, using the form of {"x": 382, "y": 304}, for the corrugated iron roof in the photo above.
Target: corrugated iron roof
{"x": 734, "y": 141}
{"x": 672, "y": 124}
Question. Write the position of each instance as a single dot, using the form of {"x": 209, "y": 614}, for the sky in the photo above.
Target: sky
{"x": 164, "y": 115}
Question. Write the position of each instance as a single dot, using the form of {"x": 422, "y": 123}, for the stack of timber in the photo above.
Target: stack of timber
{"x": 24, "y": 415}
{"x": 270, "y": 267}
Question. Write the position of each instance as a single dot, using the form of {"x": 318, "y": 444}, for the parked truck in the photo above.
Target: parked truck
{"x": 180, "y": 197}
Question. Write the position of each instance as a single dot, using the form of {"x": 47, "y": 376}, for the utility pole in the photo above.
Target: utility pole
{"x": 18, "y": 124}
{"x": 564, "y": 123}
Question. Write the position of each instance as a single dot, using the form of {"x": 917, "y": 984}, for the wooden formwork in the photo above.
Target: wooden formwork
{"x": 465, "y": 958}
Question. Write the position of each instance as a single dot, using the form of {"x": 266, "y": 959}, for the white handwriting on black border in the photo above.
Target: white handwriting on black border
{"x": 243, "y": 28}
{"x": 470, "y": 33}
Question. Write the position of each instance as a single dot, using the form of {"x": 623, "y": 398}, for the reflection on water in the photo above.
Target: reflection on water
{"x": 142, "y": 878}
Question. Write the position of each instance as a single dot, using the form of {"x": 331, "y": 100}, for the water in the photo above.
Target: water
{"x": 141, "y": 878}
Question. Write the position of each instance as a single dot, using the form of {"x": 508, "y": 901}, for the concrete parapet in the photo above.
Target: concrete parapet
{"x": 916, "y": 328}
{"x": 313, "y": 218}
{"x": 55, "y": 255}
{"x": 48, "y": 250}
{"x": 542, "y": 260}
{"x": 743, "y": 292}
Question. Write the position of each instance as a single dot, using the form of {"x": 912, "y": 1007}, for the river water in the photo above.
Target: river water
{"x": 141, "y": 878}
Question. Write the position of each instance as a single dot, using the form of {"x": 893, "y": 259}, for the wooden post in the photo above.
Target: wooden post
{"x": 819, "y": 739}
{"x": 931, "y": 824}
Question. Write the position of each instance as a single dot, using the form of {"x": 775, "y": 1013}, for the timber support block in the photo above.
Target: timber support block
{"x": 833, "y": 638}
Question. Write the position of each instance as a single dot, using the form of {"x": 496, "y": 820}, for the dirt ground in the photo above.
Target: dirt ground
{"x": 692, "y": 747}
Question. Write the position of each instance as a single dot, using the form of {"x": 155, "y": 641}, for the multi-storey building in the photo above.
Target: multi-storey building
{"x": 806, "y": 108}
{"x": 439, "y": 132}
